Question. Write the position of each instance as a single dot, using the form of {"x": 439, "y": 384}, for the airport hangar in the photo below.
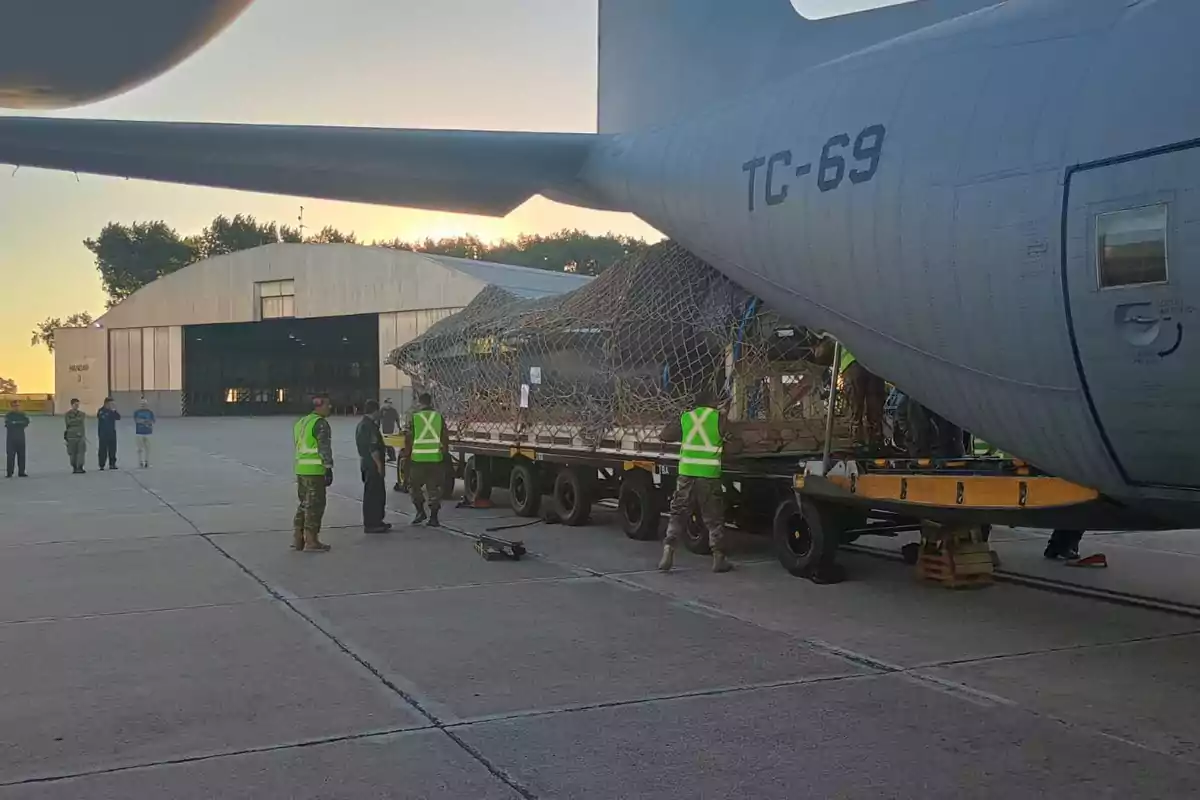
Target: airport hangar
{"x": 259, "y": 331}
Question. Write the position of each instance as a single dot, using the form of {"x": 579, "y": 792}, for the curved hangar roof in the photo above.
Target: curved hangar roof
{"x": 330, "y": 280}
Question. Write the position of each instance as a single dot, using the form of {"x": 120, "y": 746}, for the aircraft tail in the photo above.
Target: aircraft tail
{"x": 664, "y": 59}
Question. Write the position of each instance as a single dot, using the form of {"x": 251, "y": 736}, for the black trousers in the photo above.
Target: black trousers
{"x": 374, "y": 502}
{"x": 15, "y": 450}
{"x": 931, "y": 434}
{"x": 108, "y": 449}
{"x": 1063, "y": 542}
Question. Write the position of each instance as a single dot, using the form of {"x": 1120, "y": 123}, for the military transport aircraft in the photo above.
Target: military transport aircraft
{"x": 994, "y": 204}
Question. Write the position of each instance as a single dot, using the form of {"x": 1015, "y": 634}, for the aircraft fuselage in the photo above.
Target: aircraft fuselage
{"x": 978, "y": 210}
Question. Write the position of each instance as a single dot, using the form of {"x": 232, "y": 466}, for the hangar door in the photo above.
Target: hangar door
{"x": 1132, "y": 231}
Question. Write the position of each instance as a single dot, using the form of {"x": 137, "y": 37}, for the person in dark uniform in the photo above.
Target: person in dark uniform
{"x": 867, "y": 394}
{"x": 931, "y": 434}
{"x": 1064, "y": 545}
{"x": 865, "y": 391}
{"x": 389, "y": 422}
{"x": 15, "y": 423}
{"x": 106, "y": 432}
{"x": 369, "y": 442}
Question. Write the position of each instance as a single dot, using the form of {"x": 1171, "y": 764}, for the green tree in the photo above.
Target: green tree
{"x": 224, "y": 235}
{"x": 458, "y": 246}
{"x": 8, "y": 386}
{"x": 130, "y": 256}
{"x": 565, "y": 251}
{"x": 43, "y": 332}
{"x": 331, "y": 235}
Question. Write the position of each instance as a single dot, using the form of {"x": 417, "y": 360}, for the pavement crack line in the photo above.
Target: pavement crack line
{"x": 1069, "y": 648}
{"x": 720, "y": 691}
{"x": 248, "y": 751}
{"x": 130, "y": 612}
{"x": 434, "y": 721}
{"x": 164, "y": 501}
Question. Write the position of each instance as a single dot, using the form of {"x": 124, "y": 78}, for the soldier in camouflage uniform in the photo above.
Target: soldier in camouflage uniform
{"x": 426, "y": 451}
{"x": 313, "y": 440}
{"x": 699, "y": 487}
{"x": 76, "y": 437}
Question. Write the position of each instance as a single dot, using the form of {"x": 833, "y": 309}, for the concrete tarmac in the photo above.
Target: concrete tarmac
{"x": 158, "y": 639}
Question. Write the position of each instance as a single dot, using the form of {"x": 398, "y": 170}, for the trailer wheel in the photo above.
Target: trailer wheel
{"x": 640, "y": 506}
{"x": 477, "y": 479}
{"x": 523, "y": 490}
{"x": 573, "y": 494}
{"x": 806, "y": 539}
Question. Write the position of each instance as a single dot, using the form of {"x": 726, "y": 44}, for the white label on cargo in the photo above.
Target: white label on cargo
{"x": 524, "y": 395}
{"x": 535, "y": 375}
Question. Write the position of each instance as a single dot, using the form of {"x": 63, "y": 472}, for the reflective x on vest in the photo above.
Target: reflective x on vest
{"x": 427, "y": 436}
{"x": 308, "y": 456}
{"x": 700, "y": 452}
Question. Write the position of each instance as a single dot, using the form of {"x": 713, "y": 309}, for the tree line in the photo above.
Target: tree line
{"x": 130, "y": 256}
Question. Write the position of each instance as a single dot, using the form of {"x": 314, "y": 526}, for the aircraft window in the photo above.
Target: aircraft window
{"x": 1131, "y": 246}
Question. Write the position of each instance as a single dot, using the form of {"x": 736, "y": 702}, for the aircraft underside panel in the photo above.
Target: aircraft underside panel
{"x": 1133, "y": 295}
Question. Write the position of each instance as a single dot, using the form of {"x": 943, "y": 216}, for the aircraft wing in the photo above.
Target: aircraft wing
{"x": 477, "y": 172}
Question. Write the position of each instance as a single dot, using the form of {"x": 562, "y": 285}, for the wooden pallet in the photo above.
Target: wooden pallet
{"x": 953, "y": 573}
{"x": 954, "y": 558}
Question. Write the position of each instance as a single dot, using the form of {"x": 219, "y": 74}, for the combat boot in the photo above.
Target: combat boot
{"x": 668, "y": 558}
{"x": 298, "y": 539}
{"x": 421, "y": 515}
{"x": 433, "y": 519}
{"x": 314, "y": 545}
{"x": 720, "y": 562}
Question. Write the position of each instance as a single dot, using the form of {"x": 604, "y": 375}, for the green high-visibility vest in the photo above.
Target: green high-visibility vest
{"x": 700, "y": 452}
{"x": 308, "y": 456}
{"x": 427, "y": 437}
{"x": 982, "y": 448}
{"x": 847, "y": 359}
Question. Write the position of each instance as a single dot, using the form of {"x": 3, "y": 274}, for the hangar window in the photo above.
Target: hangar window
{"x": 1131, "y": 246}
{"x": 277, "y": 299}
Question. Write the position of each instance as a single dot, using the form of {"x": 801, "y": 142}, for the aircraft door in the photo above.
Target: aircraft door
{"x": 1132, "y": 283}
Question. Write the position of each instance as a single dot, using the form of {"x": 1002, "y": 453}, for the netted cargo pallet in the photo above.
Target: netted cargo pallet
{"x": 607, "y": 364}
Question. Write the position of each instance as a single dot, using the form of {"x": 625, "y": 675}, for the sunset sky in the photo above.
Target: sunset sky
{"x": 489, "y": 64}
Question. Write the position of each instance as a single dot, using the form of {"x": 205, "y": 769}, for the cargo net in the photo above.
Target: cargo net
{"x": 610, "y": 363}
